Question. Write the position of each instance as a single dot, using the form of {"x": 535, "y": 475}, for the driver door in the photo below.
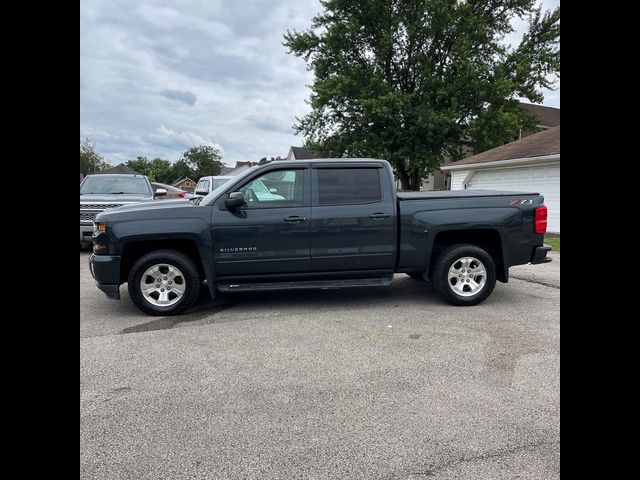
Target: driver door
{"x": 271, "y": 235}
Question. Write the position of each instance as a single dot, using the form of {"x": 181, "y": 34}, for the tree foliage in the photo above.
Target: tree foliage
{"x": 158, "y": 170}
{"x": 90, "y": 160}
{"x": 194, "y": 163}
{"x": 139, "y": 165}
{"x": 203, "y": 160}
{"x": 413, "y": 81}
{"x": 181, "y": 169}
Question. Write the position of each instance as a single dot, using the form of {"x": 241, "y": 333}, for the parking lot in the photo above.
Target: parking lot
{"x": 387, "y": 383}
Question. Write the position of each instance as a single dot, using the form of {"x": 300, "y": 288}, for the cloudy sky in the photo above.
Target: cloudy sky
{"x": 160, "y": 76}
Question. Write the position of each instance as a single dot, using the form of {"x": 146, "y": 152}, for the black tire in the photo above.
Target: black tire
{"x": 419, "y": 276}
{"x": 447, "y": 259}
{"x": 174, "y": 258}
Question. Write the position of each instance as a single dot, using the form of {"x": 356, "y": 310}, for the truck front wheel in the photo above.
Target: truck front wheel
{"x": 464, "y": 275}
{"x": 164, "y": 282}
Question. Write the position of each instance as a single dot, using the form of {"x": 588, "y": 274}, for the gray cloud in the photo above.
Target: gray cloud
{"x": 222, "y": 61}
{"x": 185, "y": 97}
{"x": 274, "y": 122}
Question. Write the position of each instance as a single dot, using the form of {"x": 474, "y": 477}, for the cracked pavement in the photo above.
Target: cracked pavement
{"x": 385, "y": 383}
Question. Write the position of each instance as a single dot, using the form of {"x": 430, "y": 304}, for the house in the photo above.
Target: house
{"x": 185, "y": 184}
{"x": 531, "y": 164}
{"x": 548, "y": 117}
{"x": 239, "y": 168}
{"x": 120, "y": 168}
{"x": 301, "y": 153}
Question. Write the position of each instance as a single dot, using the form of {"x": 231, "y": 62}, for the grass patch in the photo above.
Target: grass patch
{"x": 554, "y": 241}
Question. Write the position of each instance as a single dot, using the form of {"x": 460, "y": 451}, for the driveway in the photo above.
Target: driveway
{"x": 387, "y": 383}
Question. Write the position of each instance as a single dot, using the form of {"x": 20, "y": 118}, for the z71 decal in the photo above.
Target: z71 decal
{"x": 522, "y": 202}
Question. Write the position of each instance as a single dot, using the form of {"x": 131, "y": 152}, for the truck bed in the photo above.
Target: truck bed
{"x": 442, "y": 194}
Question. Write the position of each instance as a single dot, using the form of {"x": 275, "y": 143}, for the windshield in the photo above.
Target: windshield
{"x": 115, "y": 185}
{"x": 215, "y": 193}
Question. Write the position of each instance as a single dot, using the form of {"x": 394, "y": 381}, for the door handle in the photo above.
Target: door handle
{"x": 295, "y": 219}
{"x": 379, "y": 215}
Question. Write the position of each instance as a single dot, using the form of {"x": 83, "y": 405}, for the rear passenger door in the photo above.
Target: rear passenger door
{"x": 353, "y": 224}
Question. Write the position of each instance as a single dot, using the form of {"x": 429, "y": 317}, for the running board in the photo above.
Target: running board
{"x": 380, "y": 281}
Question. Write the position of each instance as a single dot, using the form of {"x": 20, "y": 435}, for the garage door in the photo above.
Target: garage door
{"x": 544, "y": 179}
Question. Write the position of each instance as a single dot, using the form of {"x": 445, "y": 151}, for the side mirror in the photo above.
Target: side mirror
{"x": 201, "y": 192}
{"x": 160, "y": 192}
{"x": 235, "y": 200}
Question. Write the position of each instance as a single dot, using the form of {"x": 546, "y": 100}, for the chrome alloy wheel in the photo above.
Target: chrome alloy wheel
{"x": 162, "y": 285}
{"x": 467, "y": 276}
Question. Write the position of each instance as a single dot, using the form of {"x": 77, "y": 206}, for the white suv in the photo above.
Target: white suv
{"x": 208, "y": 184}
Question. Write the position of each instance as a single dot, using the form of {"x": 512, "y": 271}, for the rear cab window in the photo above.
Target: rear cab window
{"x": 348, "y": 186}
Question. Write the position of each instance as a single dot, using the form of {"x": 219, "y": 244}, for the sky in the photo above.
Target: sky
{"x": 158, "y": 77}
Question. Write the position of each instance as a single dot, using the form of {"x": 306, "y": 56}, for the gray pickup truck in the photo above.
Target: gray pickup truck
{"x": 333, "y": 223}
{"x": 102, "y": 191}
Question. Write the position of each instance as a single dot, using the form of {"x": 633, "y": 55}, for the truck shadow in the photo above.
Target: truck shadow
{"x": 402, "y": 289}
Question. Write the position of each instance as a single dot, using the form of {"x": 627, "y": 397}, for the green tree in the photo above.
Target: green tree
{"x": 140, "y": 165}
{"x": 90, "y": 160}
{"x": 181, "y": 169}
{"x": 158, "y": 169}
{"x": 203, "y": 160}
{"x": 161, "y": 170}
{"x": 413, "y": 80}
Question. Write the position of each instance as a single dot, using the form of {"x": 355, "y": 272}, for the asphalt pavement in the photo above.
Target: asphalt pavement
{"x": 384, "y": 383}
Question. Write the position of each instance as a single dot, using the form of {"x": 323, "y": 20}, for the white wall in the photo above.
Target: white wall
{"x": 457, "y": 177}
{"x": 544, "y": 179}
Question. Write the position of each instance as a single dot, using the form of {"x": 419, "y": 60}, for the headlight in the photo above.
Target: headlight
{"x": 98, "y": 240}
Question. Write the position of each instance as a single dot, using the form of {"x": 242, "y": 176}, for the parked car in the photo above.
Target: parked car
{"x": 340, "y": 224}
{"x": 208, "y": 184}
{"x": 172, "y": 192}
{"x": 258, "y": 189}
{"x": 103, "y": 191}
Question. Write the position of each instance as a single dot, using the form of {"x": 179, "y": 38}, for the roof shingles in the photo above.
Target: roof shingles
{"x": 303, "y": 153}
{"x": 547, "y": 116}
{"x": 546, "y": 142}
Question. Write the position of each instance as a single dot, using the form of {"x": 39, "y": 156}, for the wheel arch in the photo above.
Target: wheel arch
{"x": 486, "y": 238}
{"x": 133, "y": 251}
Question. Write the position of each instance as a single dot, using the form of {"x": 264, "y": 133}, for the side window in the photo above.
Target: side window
{"x": 217, "y": 182}
{"x": 348, "y": 186}
{"x": 276, "y": 189}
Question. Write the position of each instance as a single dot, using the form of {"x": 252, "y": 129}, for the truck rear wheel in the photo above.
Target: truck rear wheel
{"x": 464, "y": 275}
{"x": 164, "y": 282}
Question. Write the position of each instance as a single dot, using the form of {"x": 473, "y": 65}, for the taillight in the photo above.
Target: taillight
{"x": 181, "y": 194}
{"x": 541, "y": 219}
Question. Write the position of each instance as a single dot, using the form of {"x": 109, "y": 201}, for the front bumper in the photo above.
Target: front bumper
{"x": 105, "y": 269}
{"x": 540, "y": 254}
